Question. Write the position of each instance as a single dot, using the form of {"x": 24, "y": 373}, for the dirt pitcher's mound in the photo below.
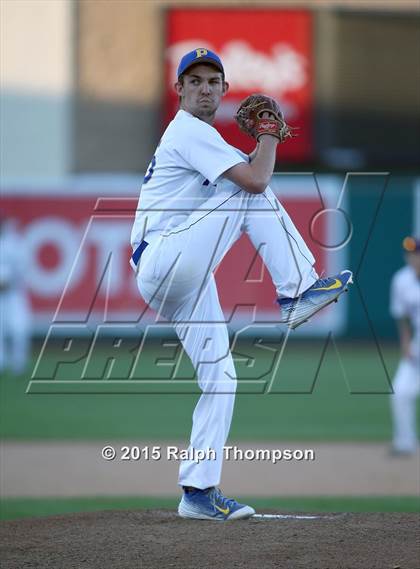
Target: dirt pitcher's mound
{"x": 159, "y": 539}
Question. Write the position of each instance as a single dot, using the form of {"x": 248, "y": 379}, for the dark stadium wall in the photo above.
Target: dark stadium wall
{"x": 382, "y": 213}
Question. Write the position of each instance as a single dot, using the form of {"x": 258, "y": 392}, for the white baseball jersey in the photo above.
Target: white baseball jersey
{"x": 182, "y": 175}
{"x": 191, "y": 216}
{"x": 11, "y": 262}
{"x": 405, "y": 300}
{"x": 14, "y": 304}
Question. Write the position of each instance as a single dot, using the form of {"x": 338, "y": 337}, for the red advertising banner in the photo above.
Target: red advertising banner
{"x": 76, "y": 249}
{"x": 263, "y": 51}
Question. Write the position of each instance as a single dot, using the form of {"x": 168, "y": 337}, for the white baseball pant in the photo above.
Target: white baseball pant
{"x": 406, "y": 387}
{"x": 175, "y": 277}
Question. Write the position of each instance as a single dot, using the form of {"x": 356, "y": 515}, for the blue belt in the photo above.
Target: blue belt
{"x": 138, "y": 252}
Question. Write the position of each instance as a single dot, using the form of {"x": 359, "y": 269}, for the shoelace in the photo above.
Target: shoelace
{"x": 220, "y": 499}
{"x": 323, "y": 282}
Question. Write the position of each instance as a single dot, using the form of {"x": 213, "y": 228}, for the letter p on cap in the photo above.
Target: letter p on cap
{"x": 201, "y": 52}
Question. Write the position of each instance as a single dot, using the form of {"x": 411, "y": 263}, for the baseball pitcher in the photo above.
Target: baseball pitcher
{"x": 198, "y": 196}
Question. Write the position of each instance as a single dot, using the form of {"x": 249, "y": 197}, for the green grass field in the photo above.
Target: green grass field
{"x": 15, "y": 508}
{"x": 341, "y": 395}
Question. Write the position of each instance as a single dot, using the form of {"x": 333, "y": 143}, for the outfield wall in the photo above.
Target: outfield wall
{"x": 75, "y": 242}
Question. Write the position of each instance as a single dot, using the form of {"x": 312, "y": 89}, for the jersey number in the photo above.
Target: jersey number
{"x": 150, "y": 170}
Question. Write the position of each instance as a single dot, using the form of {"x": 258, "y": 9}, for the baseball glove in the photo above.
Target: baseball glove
{"x": 250, "y": 118}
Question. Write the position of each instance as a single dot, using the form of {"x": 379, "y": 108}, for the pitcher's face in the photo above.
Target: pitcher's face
{"x": 201, "y": 89}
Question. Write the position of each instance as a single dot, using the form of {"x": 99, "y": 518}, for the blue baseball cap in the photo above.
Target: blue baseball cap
{"x": 199, "y": 55}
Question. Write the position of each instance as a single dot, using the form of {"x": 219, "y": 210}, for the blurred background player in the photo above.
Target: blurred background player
{"x": 405, "y": 308}
{"x": 14, "y": 303}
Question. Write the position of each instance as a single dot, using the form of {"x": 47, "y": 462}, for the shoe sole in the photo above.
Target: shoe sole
{"x": 294, "y": 325}
{"x": 242, "y": 514}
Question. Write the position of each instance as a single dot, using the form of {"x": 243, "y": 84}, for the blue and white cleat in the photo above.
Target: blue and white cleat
{"x": 296, "y": 311}
{"x": 210, "y": 504}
